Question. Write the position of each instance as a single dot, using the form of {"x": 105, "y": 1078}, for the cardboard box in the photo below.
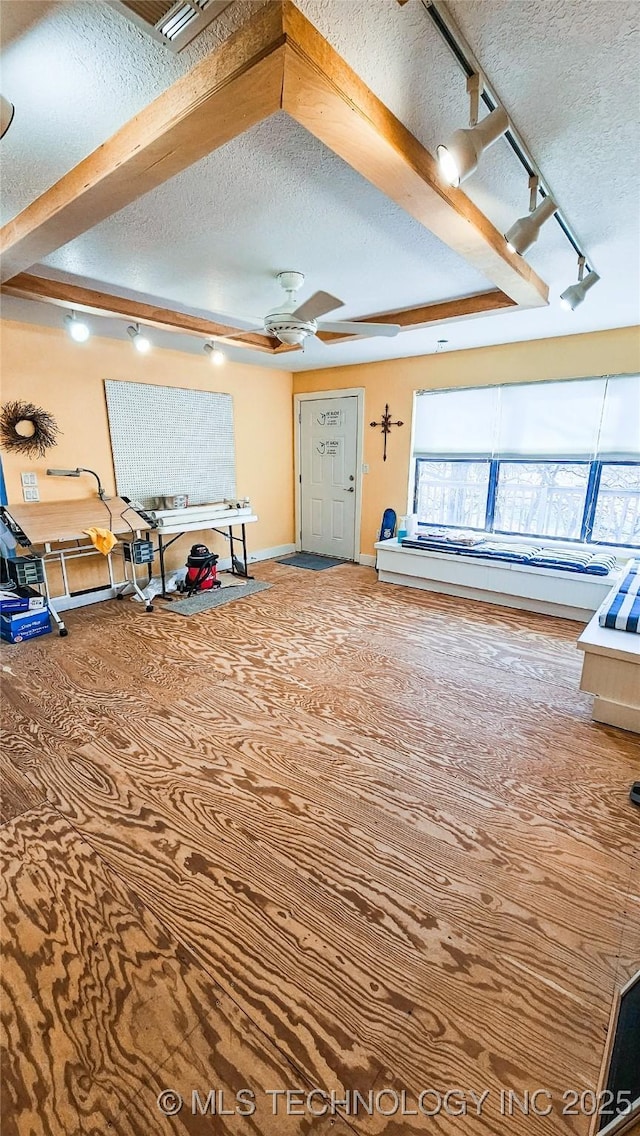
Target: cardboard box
{"x": 15, "y": 600}
{"x": 25, "y": 625}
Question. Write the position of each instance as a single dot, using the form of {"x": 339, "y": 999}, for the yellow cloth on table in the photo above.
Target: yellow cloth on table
{"x": 102, "y": 539}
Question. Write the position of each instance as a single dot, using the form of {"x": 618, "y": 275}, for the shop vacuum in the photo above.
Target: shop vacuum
{"x": 202, "y": 573}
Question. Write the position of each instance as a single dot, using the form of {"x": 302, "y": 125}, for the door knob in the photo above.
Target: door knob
{"x": 350, "y": 489}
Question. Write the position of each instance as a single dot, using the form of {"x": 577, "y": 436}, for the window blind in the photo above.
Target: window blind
{"x": 460, "y": 422}
{"x": 546, "y": 419}
{"x": 575, "y": 418}
{"x": 620, "y": 431}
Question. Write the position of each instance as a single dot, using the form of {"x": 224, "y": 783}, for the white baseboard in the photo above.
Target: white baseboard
{"x": 224, "y": 562}
{"x": 273, "y": 553}
{"x": 367, "y": 560}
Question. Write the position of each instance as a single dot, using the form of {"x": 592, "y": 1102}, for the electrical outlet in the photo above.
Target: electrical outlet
{"x": 30, "y": 494}
{"x": 365, "y": 467}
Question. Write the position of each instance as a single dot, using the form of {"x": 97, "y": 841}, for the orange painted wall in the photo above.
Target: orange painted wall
{"x": 387, "y": 484}
{"x": 42, "y": 365}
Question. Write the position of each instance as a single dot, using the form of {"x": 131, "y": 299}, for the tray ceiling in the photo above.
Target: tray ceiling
{"x": 275, "y": 197}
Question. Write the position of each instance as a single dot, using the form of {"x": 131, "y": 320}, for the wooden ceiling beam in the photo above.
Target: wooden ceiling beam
{"x": 78, "y": 297}
{"x": 444, "y": 311}
{"x": 323, "y": 94}
{"x": 93, "y": 302}
{"x": 276, "y": 61}
{"x": 233, "y": 88}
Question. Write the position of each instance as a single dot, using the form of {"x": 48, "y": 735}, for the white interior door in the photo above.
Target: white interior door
{"x": 328, "y": 454}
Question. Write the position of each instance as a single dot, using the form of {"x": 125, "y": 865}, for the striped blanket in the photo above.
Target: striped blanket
{"x": 621, "y": 612}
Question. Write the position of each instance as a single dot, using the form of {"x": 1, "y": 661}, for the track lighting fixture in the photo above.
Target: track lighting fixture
{"x": 78, "y": 329}
{"x": 573, "y": 296}
{"x": 460, "y": 157}
{"x": 216, "y": 355}
{"x": 525, "y": 231}
{"x": 7, "y": 111}
{"x": 140, "y": 341}
{"x": 451, "y": 157}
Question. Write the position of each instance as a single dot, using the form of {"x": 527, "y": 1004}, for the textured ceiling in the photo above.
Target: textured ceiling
{"x": 274, "y": 198}
{"x": 566, "y": 70}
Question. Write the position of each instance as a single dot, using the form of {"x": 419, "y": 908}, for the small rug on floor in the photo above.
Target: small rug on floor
{"x": 312, "y": 561}
{"x": 217, "y": 597}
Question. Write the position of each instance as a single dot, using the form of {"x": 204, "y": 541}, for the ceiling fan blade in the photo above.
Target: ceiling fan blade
{"x": 317, "y": 305}
{"x": 355, "y": 328}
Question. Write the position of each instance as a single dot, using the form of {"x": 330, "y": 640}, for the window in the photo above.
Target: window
{"x": 559, "y": 460}
{"x": 617, "y": 512}
{"x": 452, "y": 493}
{"x": 541, "y": 498}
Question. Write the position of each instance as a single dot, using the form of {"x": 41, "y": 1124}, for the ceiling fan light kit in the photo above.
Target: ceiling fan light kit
{"x": 294, "y": 323}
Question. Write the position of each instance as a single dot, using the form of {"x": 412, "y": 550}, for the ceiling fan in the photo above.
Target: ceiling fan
{"x": 293, "y": 324}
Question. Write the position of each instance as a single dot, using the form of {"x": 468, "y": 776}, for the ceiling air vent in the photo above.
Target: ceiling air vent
{"x": 171, "y": 22}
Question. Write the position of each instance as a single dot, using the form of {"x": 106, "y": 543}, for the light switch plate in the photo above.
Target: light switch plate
{"x": 29, "y": 479}
{"x": 30, "y": 494}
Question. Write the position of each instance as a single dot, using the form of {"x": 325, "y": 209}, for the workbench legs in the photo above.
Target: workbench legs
{"x": 228, "y": 535}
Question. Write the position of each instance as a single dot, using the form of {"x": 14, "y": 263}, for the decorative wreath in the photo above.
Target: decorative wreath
{"x": 27, "y": 429}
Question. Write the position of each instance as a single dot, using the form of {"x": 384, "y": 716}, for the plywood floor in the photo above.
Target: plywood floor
{"x": 338, "y": 835}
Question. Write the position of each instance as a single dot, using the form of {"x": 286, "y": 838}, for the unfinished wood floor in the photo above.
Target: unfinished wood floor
{"x": 338, "y": 834}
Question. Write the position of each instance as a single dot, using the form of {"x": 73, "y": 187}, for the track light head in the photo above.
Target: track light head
{"x": 573, "y": 296}
{"x": 7, "y": 111}
{"x": 216, "y": 356}
{"x": 78, "y": 329}
{"x": 525, "y": 231}
{"x": 140, "y": 341}
{"x": 460, "y": 157}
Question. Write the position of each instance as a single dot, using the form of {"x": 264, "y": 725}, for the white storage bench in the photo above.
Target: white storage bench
{"x": 611, "y": 664}
{"x": 551, "y": 591}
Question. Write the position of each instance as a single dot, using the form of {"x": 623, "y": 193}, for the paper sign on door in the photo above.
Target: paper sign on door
{"x": 330, "y": 418}
{"x": 331, "y": 447}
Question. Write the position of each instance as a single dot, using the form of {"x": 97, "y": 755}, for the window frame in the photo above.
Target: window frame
{"x": 457, "y": 460}
{"x": 591, "y": 493}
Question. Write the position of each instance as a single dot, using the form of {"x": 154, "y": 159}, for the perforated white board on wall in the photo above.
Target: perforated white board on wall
{"x": 168, "y": 440}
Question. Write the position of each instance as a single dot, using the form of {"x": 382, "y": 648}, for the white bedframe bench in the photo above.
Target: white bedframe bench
{"x": 551, "y": 591}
